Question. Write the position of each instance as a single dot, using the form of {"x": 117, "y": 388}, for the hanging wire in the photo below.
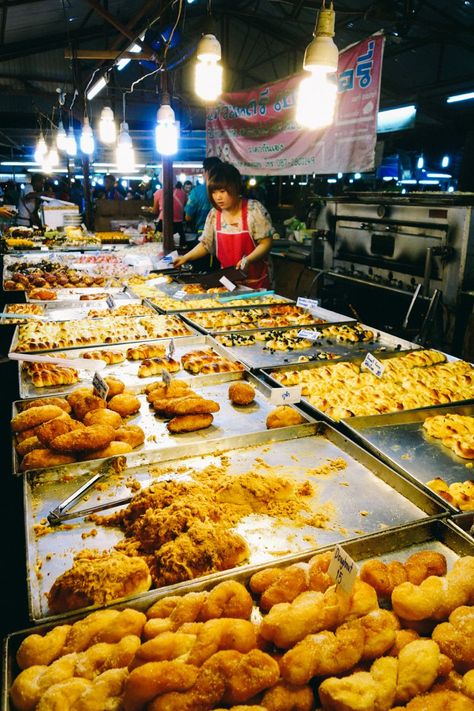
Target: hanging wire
{"x": 180, "y": 9}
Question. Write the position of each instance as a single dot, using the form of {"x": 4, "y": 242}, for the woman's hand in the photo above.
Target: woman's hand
{"x": 242, "y": 263}
{"x": 6, "y": 212}
{"x": 179, "y": 261}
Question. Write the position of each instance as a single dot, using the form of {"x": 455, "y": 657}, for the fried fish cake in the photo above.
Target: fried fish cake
{"x": 241, "y": 393}
{"x": 35, "y": 416}
{"x": 88, "y": 438}
{"x": 125, "y": 404}
{"x": 189, "y": 423}
{"x": 59, "y": 401}
{"x": 112, "y": 450}
{"x": 115, "y": 387}
{"x": 40, "y": 458}
{"x": 59, "y": 426}
{"x": 103, "y": 417}
{"x": 131, "y": 434}
{"x": 284, "y": 416}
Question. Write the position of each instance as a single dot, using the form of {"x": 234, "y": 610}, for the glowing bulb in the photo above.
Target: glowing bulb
{"x": 420, "y": 163}
{"x": 166, "y": 132}
{"x": 41, "y": 149}
{"x": 124, "y": 153}
{"x": 61, "y": 138}
{"x": 252, "y": 182}
{"x": 316, "y": 100}
{"x": 53, "y": 157}
{"x": 107, "y": 128}
{"x": 71, "y": 146}
{"x": 208, "y": 75}
{"x": 87, "y": 142}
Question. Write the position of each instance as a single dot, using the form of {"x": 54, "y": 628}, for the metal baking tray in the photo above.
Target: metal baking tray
{"x": 399, "y": 439}
{"x": 74, "y": 295}
{"x": 192, "y": 331}
{"x": 76, "y": 310}
{"x": 258, "y": 356}
{"x": 318, "y": 313}
{"x": 319, "y": 414}
{"x": 126, "y": 371}
{"x": 366, "y": 496}
{"x": 257, "y": 302}
{"x": 230, "y": 421}
{"x": 434, "y": 535}
{"x": 465, "y": 521}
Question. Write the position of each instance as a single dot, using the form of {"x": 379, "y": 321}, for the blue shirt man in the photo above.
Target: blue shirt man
{"x": 198, "y": 205}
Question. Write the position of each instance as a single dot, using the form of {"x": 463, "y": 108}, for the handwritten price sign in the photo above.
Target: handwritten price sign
{"x": 309, "y": 335}
{"x": 307, "y": 303}
{"x": 374, "y": 365}
{"x": 285, "y": 396}
{"x": 343, "y": 570}
{"x": 101, "y": 388}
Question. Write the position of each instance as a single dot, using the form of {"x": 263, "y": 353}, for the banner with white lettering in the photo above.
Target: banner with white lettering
{"x": 256, "y": 129}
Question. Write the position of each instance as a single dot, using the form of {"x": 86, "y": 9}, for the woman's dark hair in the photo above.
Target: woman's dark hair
{"x": 224, "y": 177}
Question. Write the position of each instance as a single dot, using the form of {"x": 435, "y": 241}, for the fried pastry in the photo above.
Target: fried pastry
{"x": 241, "y": 393}
{"x": 455, "y": 638}
{"x": 39, "y": 649}
{"x": 155, "y": 679}
{"x": 125, "y": 404}
{"x": 110, "y": 357}
{"x": 84, "y": 403}
{"x": 54, "y": 375}
{"x": 103, "y": 417}
{"x": 40, "y": 458}
{"x": 97, "y": 580}
{"x": 284, "y": 416}
{"x": 158, "y": 389}
{"x": 35, "y": 416}
{"x": 384, "y": 577}
{"x": 439, "y": 701}
{"x": 58, "y": 401}
{"x": 90, "y": 438}
{"x": 131, "y": 434}
{"x": 59, "y": 426}
{"x": 190, "y": 406}
{"x": 27, "y": 445}
{"x": 283, "y": 696}
{"x": 111, "y": 450}
{"x": 150, "y": 350}
{"x": 189, "y": 423}
{"x": 115, "y": 387}
{"x": 154, "y": 366}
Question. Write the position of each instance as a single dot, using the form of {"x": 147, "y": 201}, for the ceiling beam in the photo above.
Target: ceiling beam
{"x": 123, "y": 29}
{"x": 105, "y": 54}
{"x": 59, "y": 40}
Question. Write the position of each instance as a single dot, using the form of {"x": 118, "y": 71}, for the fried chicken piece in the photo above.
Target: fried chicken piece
{"x": 284, "y": 416}
{"x": 284, "y": 697}
{"x": 361, "y": 691}
{"x": 39, "y": 649}
{"x": 103, "y": 417}
{"x": 29, "y": 686}
{"x": 189, "y": 423}
{"x": 155, "y": 679}
{"x": 126, "y": 404}
{"x": 131, "y": 434}
{"x": 41, "y": 458}
{"x": 435, "y": 598}
{"x": 63, "y": 696}
{"x": 59, "y": 426}
{"x": 35, "y": 416}
{"x": 455, "y": 638}
{"x": 288, "y": 623}
{"x": 85, "y": 439}
{"x": 104, "y": 655}
{"x": 97, "y": 580}
{"x": 241, "y": 393}
{"x": 112, "y": 450}
{"x": 205, "y": 548}
{"x": 439, "y": 701}
{"x": 228, "y": 599}
{"x": 105, "y": 692}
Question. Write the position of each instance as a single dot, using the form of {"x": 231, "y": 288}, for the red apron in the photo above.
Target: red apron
{"x": 232, "y": 246}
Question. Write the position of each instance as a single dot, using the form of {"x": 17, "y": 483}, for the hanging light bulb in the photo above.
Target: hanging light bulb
{"x": 87, "y": 142}
{"x": 107, "y": 128}
{"x": 53, "y": 157}
{"x": 124, "y": 153}
{"x": 41, "y": 149}
{"x": 47, "y": 161}
{"x": 61, "y": 137}
{"x": 71, "y": 145}
{"x": 166, "y": 132}
{"x": 317, "y": 93}
{"x": 208, "y": 77}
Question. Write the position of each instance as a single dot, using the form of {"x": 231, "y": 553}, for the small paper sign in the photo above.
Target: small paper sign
{"x": 285, "y": 396}
{"x": 166, "y": 377}
{"x": 171, "y": 350}
{"x": 307, "y": 303}
{"x": 230, "y": 286}
{"x": 181, "y": 294}
{"x": 343, "y": 570}
{"x": 310, "y": 335}
{"x": 110, "y": 302}
{"x": 373, "y": 364}
{"x": 101, "y": 388}
{"x": 171, "y": 256}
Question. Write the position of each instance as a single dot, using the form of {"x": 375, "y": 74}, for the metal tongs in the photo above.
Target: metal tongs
{"x": 113, "y": 465}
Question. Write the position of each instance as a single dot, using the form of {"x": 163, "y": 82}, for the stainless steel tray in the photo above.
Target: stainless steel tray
{"x": 126, "y": 371}
{"x": 259, "y": 356}
{"x": 400, "y": 440}
{"x": 367, "y": 497}
{"x": 75, "y": 294}
{"x": 76, "y": 310}
{"x": 400, "y": 543}
{"x": 230, "y": 421}
{"x": 258, "y": 302}
{"x": 192, "y": 331}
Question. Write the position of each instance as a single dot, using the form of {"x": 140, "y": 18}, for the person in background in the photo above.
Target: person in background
{"x": 30, "y": 202}
{"x": 198, "y": 205}
{"x": 77, "y": 194}
{"x": 11, "y": 193}
{"x": 179, "y": 198}
{"x": 187, "y": 187}
{"x": 237, "y": 230}
{"x": 111, "y": 190}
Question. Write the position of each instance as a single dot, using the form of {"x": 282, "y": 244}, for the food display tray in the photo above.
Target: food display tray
{"x": 76, "y": 310}
{"x": 258, "y": 356}
{"x": 171, "y": 289}
{"x": 364, "y": 497}
{"x": 229, "y": 421}
{"x": 433, "y": 534}
{"x": 182, "y": 305}
{"x": 126, "y": 371}
{"x": 400, "y": 440}
{"x": 74, "y": 295}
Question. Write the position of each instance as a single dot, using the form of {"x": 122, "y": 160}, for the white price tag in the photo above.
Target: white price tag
{"x": 170, "y": 257}
{"x": 181, "y": 294}
{"x": 100, "y": 386}
{"x": 374, "y": 365}
{"x": 230, "y": 286}
{"x": 110, "y": 302}
{"x": 307, "y": 303}
{"x": 285, "y": 396}
{"x": 171, "y": 349}
{"x": 343, "y": 570}
{"x": 310, "y": 335}
{"x": 165, "y": 376}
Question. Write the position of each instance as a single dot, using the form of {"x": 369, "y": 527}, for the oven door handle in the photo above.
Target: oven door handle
{"x": 410, "y": 308}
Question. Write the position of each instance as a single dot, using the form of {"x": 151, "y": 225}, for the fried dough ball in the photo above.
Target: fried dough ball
{"x": 241, "y": 393}
{"x": 189, "y": 423}
{"x": 86, "y": 403}
{"x": 59, "y": 426}
{"x": 89, "y": 438}
{"x": 456, "y": 638}
{"x": 228, "y": 599}
{"x": 439, "y": 701}
{"x": 284, "y": 416}
{"x": 42, "y": 649}
{"x": 35, "y": 416}
{"x": 288, "y": 586}
{"x": 402, "y": 638}
{"x": 125, "y": 404}
{"x": 167, "y": 646}
{"x": 62, "y": 696}
{"x": 32, "y": 683}
{"x": 28, "y": 445}
{"x": 149, "y": 680}
{"x": 78, "y": 393}
{"x": 106, "y": 655}
{"x": 131, "y": 434}
{"x": 103, "y": 417}
{"x": 105, "y": 692}
{"x": 90, "y": 630}
{"x": 112, "y": 450}
{"x": 58, "y": 401}
{"x": 284, "y": 697}
{"x": 116, "y": 387}
{"x": 40, "y": 458}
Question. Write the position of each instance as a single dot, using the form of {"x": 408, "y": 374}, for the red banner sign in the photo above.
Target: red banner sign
{"x": 257, "y": 132}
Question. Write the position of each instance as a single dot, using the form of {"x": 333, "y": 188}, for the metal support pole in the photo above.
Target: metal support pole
{"x": 168, "y": 241}
{"x": 87, "y": 191}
